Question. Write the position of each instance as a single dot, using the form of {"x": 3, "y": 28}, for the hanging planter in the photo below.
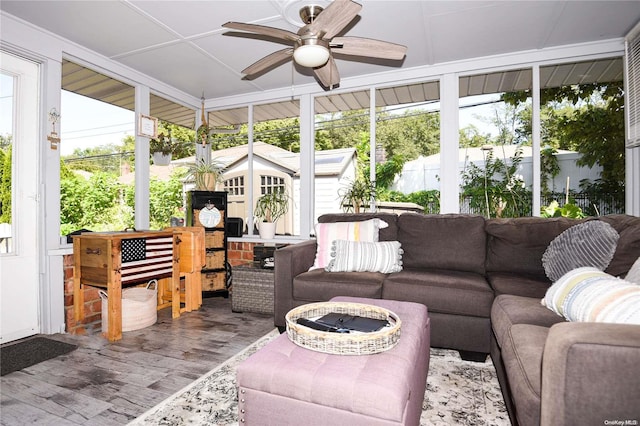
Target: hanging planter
{"x": 161, "y": 148}
{"x": 161, "y": 159}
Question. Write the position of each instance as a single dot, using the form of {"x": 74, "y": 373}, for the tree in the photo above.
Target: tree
{"x": 165, "y": 200}
{"x": 341, "y": 129}
{"x": 72, "y": 190}
{"x": 587, "y": 118}
{"x": 5, "y": 184}
{"x": 5, "y": 141}
{"x": 470, "y": 137}
{"x": 183, "y": 139}
{"x": 410, "y": 135}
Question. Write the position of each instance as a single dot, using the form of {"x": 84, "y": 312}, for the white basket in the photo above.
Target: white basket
{"x": 139, "y": 307}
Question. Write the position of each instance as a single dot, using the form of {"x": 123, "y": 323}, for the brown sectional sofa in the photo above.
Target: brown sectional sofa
{"x": 482, "y": 281}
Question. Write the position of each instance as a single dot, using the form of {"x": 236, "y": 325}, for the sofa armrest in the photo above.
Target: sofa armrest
{"x": 589, "y": 374}
{"x": 290, "y": 262}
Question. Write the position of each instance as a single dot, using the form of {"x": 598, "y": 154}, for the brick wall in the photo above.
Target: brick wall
{"x": 92, "y": 304}
{"x": 238, "y": 253}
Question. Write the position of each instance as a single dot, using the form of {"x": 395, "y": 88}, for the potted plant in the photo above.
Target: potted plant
{"x": 161, "y": 149}
{"x": 205, "y": 175}
{"x": 269, "y": 208}
{"x": 356, "y": 196}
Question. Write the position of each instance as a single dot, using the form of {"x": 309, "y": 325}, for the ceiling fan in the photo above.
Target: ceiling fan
{"x": 316, "y": 42}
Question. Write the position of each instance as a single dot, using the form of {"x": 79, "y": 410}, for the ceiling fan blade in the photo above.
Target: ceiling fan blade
{"x": 328, "y": 74}
{"x": 334, "y": 18}
{"x": 263, "y": 30}
{"x": 268, "y": 62}
{"x": 368, "y": 47}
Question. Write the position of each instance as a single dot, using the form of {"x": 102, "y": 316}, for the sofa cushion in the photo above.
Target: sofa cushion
{"x": 590, "y": 243}
{"x": 361, "y": 256}
{"x": 451, "y": 292}
{"x": 390, "y": 233}
{"x": 319, "y": 285}
{"x": 508, "y": 310}
{"x": 518, "y": 284}
{"x": 634, "y": 273}
{"x": 588, "y": 294}
{"x": 522, "y": 355}
{"x": 517, "y": 244}
{"x": 628, "y": 248}
{"x": 448, "y": 241}
{"x": 327, "y": 233}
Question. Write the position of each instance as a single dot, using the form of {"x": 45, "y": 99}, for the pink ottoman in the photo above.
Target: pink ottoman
{"x": 285, "y": 384}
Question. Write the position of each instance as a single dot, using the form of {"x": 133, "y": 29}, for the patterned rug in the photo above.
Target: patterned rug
{"x": 458, "y": 392}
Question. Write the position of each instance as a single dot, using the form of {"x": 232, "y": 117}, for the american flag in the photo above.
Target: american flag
{"x": 146, "y": 258}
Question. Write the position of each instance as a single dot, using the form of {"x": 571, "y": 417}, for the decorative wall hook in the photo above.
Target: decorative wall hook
{"x": 53, "y": 138}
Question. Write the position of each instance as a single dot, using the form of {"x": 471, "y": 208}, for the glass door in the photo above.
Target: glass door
{"x": 19, "y": 159}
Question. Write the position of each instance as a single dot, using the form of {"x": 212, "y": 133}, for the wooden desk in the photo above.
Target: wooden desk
{"x": 112, "y": 260}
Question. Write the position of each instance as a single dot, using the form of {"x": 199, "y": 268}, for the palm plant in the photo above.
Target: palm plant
{"x": 272, "y": 206}
{"x": 206, "y": 175}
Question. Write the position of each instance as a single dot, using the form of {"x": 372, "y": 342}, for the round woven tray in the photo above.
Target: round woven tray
{"x": 353, "y": 343}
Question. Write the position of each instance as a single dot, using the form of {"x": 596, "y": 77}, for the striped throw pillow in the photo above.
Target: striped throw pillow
{"x": 591, "y": 243}
{"x": 326, "y": 233}
{"x": 359, "y": 256}
{"x": 590, "y": 295}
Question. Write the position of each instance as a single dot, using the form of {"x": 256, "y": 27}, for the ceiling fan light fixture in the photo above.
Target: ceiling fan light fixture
{"x": 311, "y": 55}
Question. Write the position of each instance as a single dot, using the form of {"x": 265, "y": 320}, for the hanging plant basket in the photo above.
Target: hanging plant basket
{"x": 160, "y": 159}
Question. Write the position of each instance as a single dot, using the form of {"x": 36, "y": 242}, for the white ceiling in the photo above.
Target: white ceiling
{"x": 182, "y": 44}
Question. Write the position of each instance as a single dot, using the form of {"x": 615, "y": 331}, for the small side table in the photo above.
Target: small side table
{"x": 252, "y": 289}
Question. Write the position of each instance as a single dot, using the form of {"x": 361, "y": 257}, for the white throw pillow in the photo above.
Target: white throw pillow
{"x": 359, "y": 256}
{"x": 590, "y": 295}
{"x": 326, "y": 233}
{"x": 634, "y": 273}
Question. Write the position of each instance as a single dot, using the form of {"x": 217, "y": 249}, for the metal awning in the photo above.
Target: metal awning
{"x": 86, "y": 82}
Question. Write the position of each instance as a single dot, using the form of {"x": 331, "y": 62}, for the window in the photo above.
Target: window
{"x": 632, "y": 49}
{"x": 234, "y": 186}
{"x": 271, "y": 184}
{"x": 496, "y": 154}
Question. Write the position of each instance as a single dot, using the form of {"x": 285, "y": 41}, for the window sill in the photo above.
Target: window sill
{"x": 283, "y": 239}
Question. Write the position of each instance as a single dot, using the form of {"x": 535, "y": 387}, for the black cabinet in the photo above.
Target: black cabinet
{"x": 209, "y": 210}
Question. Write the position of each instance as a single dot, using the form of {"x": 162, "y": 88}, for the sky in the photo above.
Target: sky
{"x": 89, "y": 123}
{"x": 6, "y": 116}
{"x": 85, "y": 122}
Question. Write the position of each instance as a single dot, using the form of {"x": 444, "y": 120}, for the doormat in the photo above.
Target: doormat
{"x": 16, "y": 356}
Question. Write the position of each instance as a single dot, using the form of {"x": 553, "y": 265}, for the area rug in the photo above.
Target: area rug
{"x": 458, "y": 392}
{"x": 28, "y": 352}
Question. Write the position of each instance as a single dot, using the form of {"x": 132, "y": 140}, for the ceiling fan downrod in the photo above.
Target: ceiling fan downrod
{"x": 309, "y": 13}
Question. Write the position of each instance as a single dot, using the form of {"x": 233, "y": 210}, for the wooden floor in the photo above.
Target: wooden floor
{"x": 103, "y": 383}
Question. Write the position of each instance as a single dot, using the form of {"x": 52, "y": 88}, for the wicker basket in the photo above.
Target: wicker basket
{"x": 214, "y": 281}
{"x": 214, "y": 259}
{"x": 214, "y": 239}
{"x": 139, "y": 307}
{"x": 252, "y": 289}
{"x": 353, "y": 343}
